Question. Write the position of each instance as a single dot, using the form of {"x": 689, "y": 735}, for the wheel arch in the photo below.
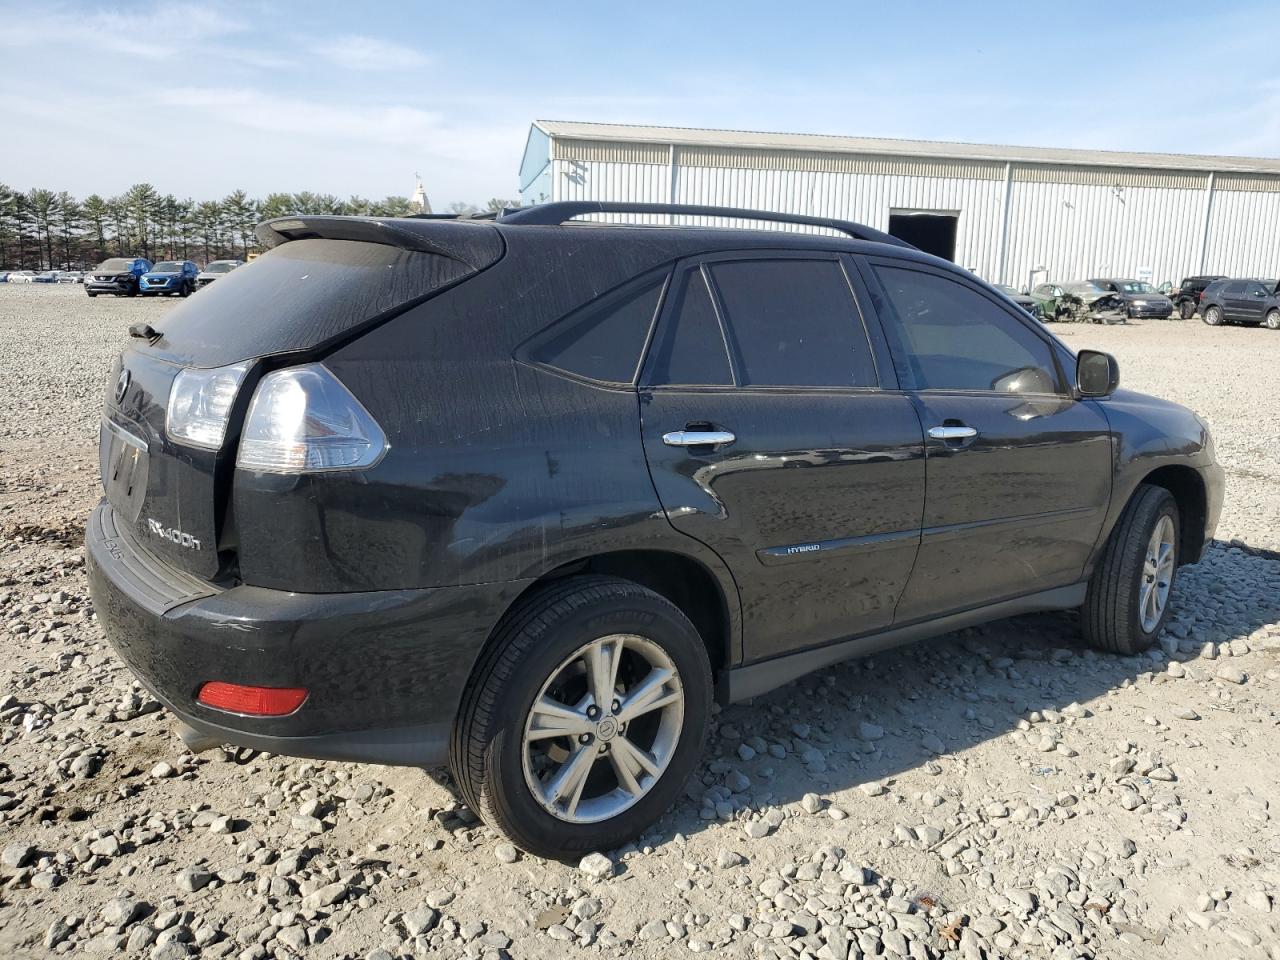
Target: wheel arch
{"x": 1187, "y": 487}
{"x": 708, "y": 597}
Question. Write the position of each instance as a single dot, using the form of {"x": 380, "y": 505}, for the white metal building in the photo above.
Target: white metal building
{"x": 1016, "y": 215}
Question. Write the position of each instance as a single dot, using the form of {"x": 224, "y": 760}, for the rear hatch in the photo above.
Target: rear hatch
{"x": 327, "y": 280}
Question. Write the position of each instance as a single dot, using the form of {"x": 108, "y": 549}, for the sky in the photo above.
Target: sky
{"x": 355, "y": 98}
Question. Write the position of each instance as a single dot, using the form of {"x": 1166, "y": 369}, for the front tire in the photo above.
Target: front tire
{"x": 1273, "y": 320}
{"x": 1213, "y": 316}
{"x": 1127, "y": 602}
{"x": 584, "y": 719}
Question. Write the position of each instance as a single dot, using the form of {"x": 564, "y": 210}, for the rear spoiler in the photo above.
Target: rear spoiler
{"x": 476, "y": 244}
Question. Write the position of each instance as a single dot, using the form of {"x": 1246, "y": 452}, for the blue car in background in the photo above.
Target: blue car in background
{"x": 170, "y": 276}
{"x": 119, "y": 275}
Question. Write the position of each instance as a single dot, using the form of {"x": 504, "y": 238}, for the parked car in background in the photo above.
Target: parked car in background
{"x": 1027, "y": 303}
{"x": 1250, "y": 302}
{"x": 215, "y": 269}
{"x": 70, "y": 276}
{"x": 173, "y": 277}
{"x": 1186, "y": 299}
{"x": 1141, "y": 298}
{"x": 556, "y": 610}
{"x": 119, "y": 275}
{"x": 1080, "y": 302}
{"x": 21, "y": 276}
{"x": 48, "y": 276}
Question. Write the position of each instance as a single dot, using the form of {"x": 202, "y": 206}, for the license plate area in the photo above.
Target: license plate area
{"x": 124, "y": 464}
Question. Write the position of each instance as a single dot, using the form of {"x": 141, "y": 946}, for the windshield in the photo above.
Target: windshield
{"x": 1136, "y": 286}
{"x": 1084, "y": 287}
{"x": 1006, "y": 289}
{"x": 115, "y": 265}
{"x": 168, "y": 266}
{"x": 220, "y": 266}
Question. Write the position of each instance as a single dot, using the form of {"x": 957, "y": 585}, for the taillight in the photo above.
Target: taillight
{"x": 303, "y": 420}
{"x": 200, "y": 404}
{"x": 1200, "y": 296}
{"x": 253, "y": 701}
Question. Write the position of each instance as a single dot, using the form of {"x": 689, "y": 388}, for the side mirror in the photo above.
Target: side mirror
{"x": 1097, "y": 373}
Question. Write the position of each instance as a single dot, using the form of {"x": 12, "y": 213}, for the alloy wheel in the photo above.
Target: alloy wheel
{"x": 603, "y": 729}
{"x": 1273, "y": 320}
{"x": 1157, "y": 574}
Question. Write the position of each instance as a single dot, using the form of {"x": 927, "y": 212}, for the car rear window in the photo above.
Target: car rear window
{"x": 298, "y": 296}
{"x": 604, "y": 340}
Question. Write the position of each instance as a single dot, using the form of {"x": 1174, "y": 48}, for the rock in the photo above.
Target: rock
{"x": 596, "y": 866}
{"x": 811, "y": 803}
{"x": 1259, "y": 900}
{"x": 59, "y": 930}
{"x": 119, "y": 911}
{"x": 420, "y": 920}
{"x": 653, "y": 930}
{"x": 869, "y": 731}
{"x": 933, "y": 744}
{"x": 1186, "y": 713}
{"x": 1023, "y": 901}
{"x": 294, "y": 937}
{"x": 1230, "y": 674}
{"x": 873, "y": 788}
{"x": 506, "y": 853}
{"x": 173, "y": 950}
{"x": 756, "y": 829}
{"x": 140, "y": 937}
{"x": 16, "y": 854}
{"x": 326, "y": 896}
{"x": 162, "y": 770}
{"x": 728, "y": 859}
{"x": 194, "y": 878}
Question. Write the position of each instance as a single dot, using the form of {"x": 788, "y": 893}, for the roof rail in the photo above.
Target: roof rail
{"x": 554, "y": 214}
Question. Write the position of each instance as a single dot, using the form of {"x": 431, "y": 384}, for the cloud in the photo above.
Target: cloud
{"x": 115, "y": 30}
{"x": 368, "y": 53}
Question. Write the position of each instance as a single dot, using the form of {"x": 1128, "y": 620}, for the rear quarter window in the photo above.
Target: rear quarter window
{"x": 604, "y": 340}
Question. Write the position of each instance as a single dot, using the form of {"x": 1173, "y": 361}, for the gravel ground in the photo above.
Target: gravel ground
{"x": 1001, "y": 792}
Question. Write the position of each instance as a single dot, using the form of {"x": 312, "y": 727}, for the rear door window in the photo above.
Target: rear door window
{"x": 603, "y": 340}
{"x": 793, "y": 323}
{"x": 945, "y": 335}
{"x": 690, "y": 349}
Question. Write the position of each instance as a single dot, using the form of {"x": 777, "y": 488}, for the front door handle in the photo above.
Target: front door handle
{"x": 697, "y": 438}
{"x": 952, "y": 433}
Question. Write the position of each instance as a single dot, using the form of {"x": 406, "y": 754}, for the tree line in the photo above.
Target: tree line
{"x": 52, "y": 230}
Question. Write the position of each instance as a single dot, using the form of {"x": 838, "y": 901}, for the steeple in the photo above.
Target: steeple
{"x": 418, "y": 202}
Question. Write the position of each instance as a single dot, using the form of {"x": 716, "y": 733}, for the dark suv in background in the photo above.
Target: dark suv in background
{"x": 1186, "y": 299}
{"x": 527, "y": 495}
{"x": 119, "y": 275}
{"x": 1248, "y": 302}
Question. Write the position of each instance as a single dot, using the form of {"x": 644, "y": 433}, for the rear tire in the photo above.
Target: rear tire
{"x": 543, "y": 652}
{"x": 1273, "y": 320}
{"x": 1186, "y": 309}
{"x": 1213, "y": 316}
{"x": 1128, "y": 598}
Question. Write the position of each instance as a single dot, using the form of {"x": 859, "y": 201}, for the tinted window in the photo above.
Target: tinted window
{"x": 950, "y": 337}
{"x": 1233, "y": 289}
{"x": 1255, "y": 289}
{"x": 691, "y": 348}
{"x": 604, "y": 340}
{"x": 794, "y": 323}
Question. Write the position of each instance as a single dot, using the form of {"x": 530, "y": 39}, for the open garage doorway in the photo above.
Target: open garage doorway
{"x": 933, "y": 231}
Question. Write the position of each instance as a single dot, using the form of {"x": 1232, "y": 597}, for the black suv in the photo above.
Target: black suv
{"x": 527, "y": 495}
{"x": 1249, "y": 302}
{"x": 1186, "y": 299}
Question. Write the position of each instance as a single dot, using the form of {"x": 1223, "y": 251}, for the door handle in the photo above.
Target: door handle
{"x": 952, "y": 433}
{"x": 697, "y": 438}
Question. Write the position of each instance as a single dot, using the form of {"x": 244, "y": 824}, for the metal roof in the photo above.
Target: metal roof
{"x": 884, "y": 146}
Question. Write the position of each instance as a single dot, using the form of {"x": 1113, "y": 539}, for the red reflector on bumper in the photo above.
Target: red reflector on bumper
{"x": 255, "y": 701}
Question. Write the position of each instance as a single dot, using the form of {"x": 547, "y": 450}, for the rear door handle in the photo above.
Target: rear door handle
{"x": 697, "y": 438}
{"x": 952, "y": 433}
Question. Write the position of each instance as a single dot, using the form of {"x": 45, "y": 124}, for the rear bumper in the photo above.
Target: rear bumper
{"x": 384, "y": 670}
